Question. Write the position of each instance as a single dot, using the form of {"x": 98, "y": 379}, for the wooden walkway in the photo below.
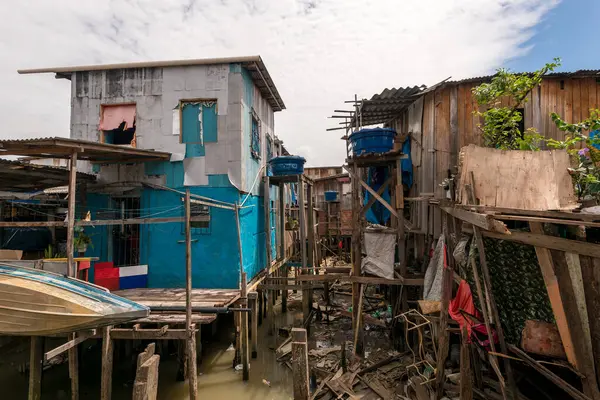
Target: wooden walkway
{"x": 176, "y": 298}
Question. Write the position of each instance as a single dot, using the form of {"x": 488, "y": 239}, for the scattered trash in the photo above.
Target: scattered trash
{"x": 231, "y": 347}
{"x": 266, "y": 382}
{"x": 239, "y": 367}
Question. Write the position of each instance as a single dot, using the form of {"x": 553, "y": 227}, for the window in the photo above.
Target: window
{"x": 269, "y": 148}
{"x": 255, "y": 139}
{"x": 117, "y": 123}
{"x": 201, "y": 212}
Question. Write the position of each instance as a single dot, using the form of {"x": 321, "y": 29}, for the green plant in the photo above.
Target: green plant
{"x": 500, "y": 127}
{"x": 586, "y": 177}
{"x": 81, "y": 239}
{"x": 50, "y": 253}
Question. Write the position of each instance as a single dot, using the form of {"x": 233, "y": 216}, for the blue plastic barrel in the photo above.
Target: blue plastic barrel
{"x": 374, "y": 140}
{"x": 287, "y": 165}
{"x": 331, "y": 195}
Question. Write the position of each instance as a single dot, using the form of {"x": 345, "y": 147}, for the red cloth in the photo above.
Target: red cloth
{"x": 463, "y": 301}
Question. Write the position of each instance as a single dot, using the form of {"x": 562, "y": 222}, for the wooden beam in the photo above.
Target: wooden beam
{"x": 549, "y": 214}
{"x": 129, "y": 221}
{"x": 302, "y": 218}
{"x": 281, "y": 227}
{"x": 559, "y": 221}
{"x": 35, "y": 368}
{"x": 300, "y": 364}
{"x": 483, "y": 221}
{"x": 269, "y": 286}
{"x": 107, "y": 365}
{"x": 547, "y": 268}
{"x": 70, "y": 344}
{"x": 71, "y": 214}
{"x": 244, "y": 332}
{"x": 574, "y": 393}
{"x": 163, "y": 333}
{"x": 548, "y": 242}
{"x": 466, "y": 380}
{"x": 74, "y": 369}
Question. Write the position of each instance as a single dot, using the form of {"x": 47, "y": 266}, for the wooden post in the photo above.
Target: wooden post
{"x": 244, "y": 332}
{"x": 300, "y": 364}
{"x": 74, "y": 369}
{"x": 71, "y": 214}
{"x": 191, "y": 337}
{"x": 267, "y": 208}
{"x": 284, "y": 292}
{"x": 73, "y": 357}
{"x": 281, "y": 230}
{"x": 358, "y": 328}
{"x": 260, "y": 306}
{"x": 270, "y": 311}
{"x": 253, "y": 300}
{"x": 36, "y": 357}
{"x": 356, "y": 254}
{"x": 466, "y": 386}
{"x": 443, "y": 342}
{"x": 145, "y": 386}
{"x": 303, "y": 224}
{"x": 107, "y": 365}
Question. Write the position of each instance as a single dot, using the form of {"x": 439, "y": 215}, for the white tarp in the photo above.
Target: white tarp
{"x": 379, "y": 247}
{"x": 432, "y": 284}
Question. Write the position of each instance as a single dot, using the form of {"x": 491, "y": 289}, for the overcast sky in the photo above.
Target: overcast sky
{"x": 319, "y": 52}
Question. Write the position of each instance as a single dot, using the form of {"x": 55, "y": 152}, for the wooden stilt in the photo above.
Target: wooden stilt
{"x": 466, "y": 385}
{"x": 74, "y": 369}
{"x": 281, "y": 230}
{"x": 191, "y": 338}
{"x": 300, "y": 364}
{"x": 36, "y": 357}
{"x": 198, "y": 345}
{"x": 284, "y": 292}
{"x": 443, "y": 342}
{"x": 107, "y": 365}
{"x": 270, "y": 311}
{"x": 244, "y": 332}
{"x": 253, "y": 300}
{"x": 358, "y": 328}
{"x": 260, "y": 306}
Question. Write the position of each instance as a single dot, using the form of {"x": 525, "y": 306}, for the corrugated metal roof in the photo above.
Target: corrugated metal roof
{"x": 387, "y": 104}
{"x": 581, "y": 73}
{"x": 254, "y": 64}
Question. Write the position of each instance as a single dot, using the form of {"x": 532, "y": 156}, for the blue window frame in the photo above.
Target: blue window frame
{"x": 255, "y": 140}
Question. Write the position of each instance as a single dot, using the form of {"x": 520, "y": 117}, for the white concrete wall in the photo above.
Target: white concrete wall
{"x": 156, "y": 92}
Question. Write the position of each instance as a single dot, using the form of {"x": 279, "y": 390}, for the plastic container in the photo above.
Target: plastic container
{"x": 331, "y": 195}
{"x": 375, "y": 140}
{"x": 287, "y": 165}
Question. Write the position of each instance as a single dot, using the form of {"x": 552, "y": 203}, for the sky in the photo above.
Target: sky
{"x": 319, "y": 52}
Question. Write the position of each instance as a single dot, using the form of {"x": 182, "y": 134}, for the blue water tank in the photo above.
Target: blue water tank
{"x": 287, "y": 165}
{"x": 374, "y": 140}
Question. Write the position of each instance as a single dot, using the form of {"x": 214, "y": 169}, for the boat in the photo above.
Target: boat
{"x": 39, "y": 303}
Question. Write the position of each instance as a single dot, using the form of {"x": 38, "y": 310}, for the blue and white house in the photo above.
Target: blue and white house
{"x": 216, "y": 118}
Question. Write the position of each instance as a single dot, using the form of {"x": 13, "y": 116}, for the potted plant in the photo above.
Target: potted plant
{"x": 81, "y": 240}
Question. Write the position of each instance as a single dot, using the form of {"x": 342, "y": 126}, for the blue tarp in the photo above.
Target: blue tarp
{"x": 377, "y": 214}
{"x": 407, "y": 167}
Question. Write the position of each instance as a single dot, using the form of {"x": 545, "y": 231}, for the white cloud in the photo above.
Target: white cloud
{"x": 319, "y": 52}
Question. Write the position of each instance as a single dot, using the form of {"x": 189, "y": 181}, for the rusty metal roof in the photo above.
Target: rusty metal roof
{"x": 58, "y": 147}
{"x": 254, "y": 64}
{"x": 17, "y": 176}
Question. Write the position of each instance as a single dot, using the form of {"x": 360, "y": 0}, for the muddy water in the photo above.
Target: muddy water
{"x": 217, "y": 380}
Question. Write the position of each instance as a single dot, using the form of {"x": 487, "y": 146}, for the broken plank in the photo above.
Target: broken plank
{"x": 70, "y": 344}
{"x": 576, "y": 394}
{"x": 484, "y": 221}
{"x": 547, "y": 242}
